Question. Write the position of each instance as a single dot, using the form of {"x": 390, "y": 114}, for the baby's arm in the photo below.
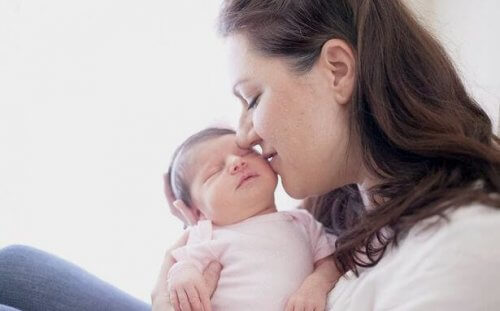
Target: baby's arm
{"x": 313, "y": 292}
{"x": 325, "y": 274}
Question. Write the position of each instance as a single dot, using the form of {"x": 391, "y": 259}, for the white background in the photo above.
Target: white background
{"x": 96, "y": 94}
{"x": 470, "y": 30}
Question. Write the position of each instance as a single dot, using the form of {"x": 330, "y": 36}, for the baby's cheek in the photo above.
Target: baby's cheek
{"x": 216, "y": 199}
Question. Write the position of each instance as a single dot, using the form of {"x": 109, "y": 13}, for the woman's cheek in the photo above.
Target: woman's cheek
{"x": 263, "y": 121}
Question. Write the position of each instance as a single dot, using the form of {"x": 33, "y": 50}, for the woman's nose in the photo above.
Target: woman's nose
{"x": 237, "y": 165}
{"x": 246, "y": 137}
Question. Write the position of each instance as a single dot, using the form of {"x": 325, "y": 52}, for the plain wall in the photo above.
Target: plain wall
{"x": 469, "y": 30}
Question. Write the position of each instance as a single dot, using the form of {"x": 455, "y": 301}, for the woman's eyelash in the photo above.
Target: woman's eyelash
{"x": 254, "y": 102}
{"x": 248, "y": 152}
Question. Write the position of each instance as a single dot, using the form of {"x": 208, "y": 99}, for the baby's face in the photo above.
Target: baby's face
{"x": 229, "y": 184}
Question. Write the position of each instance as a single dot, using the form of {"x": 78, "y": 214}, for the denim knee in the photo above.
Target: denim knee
{"x": 15, "y": 251}
{"x": 14, "y": 255}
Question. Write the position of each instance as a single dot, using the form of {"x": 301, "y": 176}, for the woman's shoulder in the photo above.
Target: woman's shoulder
{"x": 476, "y": 224}
{"x": 449, "y": 261}
{"x": 442, "y": 262}
{"x": 463, "y": 235}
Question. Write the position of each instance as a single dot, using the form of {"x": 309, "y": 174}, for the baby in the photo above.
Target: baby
{"x": 271, "y": 260}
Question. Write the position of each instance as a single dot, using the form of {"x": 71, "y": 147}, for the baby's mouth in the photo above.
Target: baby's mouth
{"x": 245, "y": 177}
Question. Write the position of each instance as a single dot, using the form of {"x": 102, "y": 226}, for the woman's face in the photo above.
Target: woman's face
{"x": 301, "y": 119}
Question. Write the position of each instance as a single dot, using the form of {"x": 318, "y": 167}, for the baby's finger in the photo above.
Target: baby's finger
{"x": 194, "y": 298}
{"x": 183, "y": 300}
{"x": 204, "y": 297}
{"x": 174, "y": 301}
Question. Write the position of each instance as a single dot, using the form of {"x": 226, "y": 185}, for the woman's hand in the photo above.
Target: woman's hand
{"x": 160, "y": 295}
{"x": 188, "y": 289}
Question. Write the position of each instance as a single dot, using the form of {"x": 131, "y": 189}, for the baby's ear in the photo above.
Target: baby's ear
{"x": 191, "y": 215}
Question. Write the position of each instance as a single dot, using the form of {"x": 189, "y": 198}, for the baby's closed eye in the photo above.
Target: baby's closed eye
{"x": 214, "y": 172}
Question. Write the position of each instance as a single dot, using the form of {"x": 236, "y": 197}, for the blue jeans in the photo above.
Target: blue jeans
{"x": 31, "y": 279}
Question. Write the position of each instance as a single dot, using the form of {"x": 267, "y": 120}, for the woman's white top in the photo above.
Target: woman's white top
{"x": 439, "y": 265}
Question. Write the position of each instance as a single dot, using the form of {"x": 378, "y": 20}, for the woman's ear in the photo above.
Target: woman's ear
{"x": 191, "y": 215}
{"x": 339, "y": 64}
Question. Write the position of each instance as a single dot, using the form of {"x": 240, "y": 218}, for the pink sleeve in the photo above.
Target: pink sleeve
{"x": 200, "y": 249}
{"x": 322, "y": 244}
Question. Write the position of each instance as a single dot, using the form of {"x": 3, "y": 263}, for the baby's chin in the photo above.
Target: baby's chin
{"x": 271, "y": 208}
{"x": 268, "y": 208}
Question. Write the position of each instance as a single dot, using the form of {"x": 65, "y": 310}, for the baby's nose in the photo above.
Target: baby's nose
{"x": 238, "y": 164}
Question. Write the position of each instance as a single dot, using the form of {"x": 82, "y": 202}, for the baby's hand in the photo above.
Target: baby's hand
{"x": 307, "y": 298}
{"x": 187, "y": 288}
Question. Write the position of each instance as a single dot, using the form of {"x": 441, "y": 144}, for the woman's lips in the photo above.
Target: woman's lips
{"x": 273, "y": 161}
{"x": 270, "y": 156}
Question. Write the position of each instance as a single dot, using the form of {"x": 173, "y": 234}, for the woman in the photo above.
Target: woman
{"x": 355, "y": 95}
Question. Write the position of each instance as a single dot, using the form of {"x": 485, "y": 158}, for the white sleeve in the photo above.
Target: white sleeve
{"x": 458, "y": 269}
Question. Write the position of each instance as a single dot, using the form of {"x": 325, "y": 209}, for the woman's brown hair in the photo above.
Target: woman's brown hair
{"x": 421, "y": 133}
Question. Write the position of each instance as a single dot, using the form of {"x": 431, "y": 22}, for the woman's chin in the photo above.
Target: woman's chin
{"x": 301, "y": 191}
{"x": 294, "y": 190}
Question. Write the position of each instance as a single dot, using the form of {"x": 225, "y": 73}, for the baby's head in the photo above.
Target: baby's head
{"x": 219, "y": 181}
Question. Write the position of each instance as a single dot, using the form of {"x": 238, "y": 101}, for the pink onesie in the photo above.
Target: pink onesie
{"x": 265, "y": 258}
